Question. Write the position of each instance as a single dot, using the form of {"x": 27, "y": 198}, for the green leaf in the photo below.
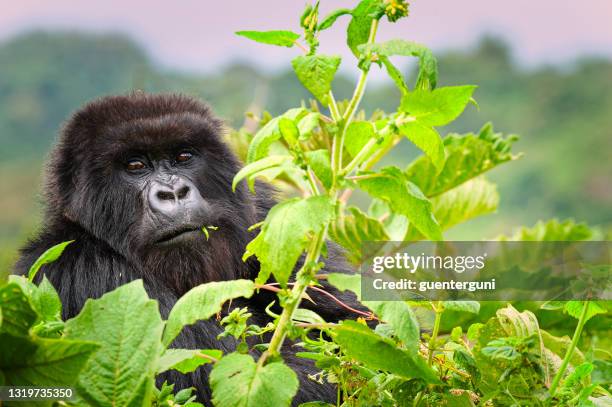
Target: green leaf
{"x": 316, "y": 73}
{"x": 439, "y": 106}
{"x": 320, "y": 164}
{"x": 43, "y": 362}
{"x": 352, "y": 229}
{"x": 17, "y": 313}
{"x": 397, "y": 314}
{"x": 259, "y": 146}
{"x": 472, "y": 307}
{"x": 289, "y": 131}
{"x": 279, "y": 37}
{"x": 331, "y": 18}
{"x": 400, "y": 316}
{"x": 427, "y": 139}
{"x": 358, "y": 133}
{"x": 396, "y": 225}
{"x": 428, "y": 65}
{"x": 358, "y": 30}
{"x": 560, "y": 345}
{"x": 307, "y": 124}
{"x": 129, "y": 327}
{"x": 237, "y": 381}
{"x": 467, "y": 156}
{"x": 359, "y": 342}
{"x": 405, "y": 198}
{"x": 552, "y": 230}
{"x": 47, "y": 257}
{"x": 46, "y": 301}
{"x": 202, "y": 302}
{"x": 307, "y": 316}
{"x": 343, "y": 282}
{"x": 186, "y": 360}
{"x": 257, "y": 168}
{"x": 575, "y": 308}
{"x": 285, "y": 234}
{"x": 474, "y": 198}
{"x": 394, "y": 74}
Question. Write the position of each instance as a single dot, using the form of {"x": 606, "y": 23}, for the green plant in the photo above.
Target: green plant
{"x": 112, "y": 351}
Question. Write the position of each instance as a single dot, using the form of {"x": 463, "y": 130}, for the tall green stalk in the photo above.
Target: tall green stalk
{"x": 570, "y": 351}
{"x": 306, "y": 275}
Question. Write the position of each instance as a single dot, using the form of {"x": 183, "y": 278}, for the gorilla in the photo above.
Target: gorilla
{"x": 132, "y": 180}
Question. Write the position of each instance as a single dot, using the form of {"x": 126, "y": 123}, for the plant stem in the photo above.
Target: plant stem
{"x": 438, "y": 308}
{"x": 570, "y": 351}
{"x": 303, "y": 278}
{"x": 338, "y": 142}
{"x": 333, "y": 107}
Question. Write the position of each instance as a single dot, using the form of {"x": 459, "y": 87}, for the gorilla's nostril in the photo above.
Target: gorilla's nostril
{"x": 165, "y": 195}
{"x": 182, "y": 193}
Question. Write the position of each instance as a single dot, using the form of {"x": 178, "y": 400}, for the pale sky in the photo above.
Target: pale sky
{"x": 197, "y": 35}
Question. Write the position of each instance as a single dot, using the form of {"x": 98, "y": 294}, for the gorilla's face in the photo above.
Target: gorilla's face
{"x": 174, "y": 210}
{"x": 145, "y": 174}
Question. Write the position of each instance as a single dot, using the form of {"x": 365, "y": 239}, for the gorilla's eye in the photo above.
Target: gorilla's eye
{"x": 183, "y": 157}
{"x": 135, "y": 165}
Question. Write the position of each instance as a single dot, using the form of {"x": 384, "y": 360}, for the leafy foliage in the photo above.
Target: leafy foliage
{"x": 112, "y": 351}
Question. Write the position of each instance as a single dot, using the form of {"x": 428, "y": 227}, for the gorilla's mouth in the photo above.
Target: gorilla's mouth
{"x": 179, "y": 235}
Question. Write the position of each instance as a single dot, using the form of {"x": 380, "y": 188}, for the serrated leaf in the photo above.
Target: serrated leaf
{"x": 202, "y": 302}
{"x": 281, "y": 38}
{"x": 474, "y": 198}
{"x": 331, "y": 18}
{"x": 439, "y": 106}
{"x": 358, "y": 133}
{"x": 405, "y": 198}
{"x": 320, "y": 164}
{"x": 316, "y": 73}
{"x": 43, "y": 362}
{"x": 17, "y": 313}
{"x": 49, "y": 256}
{"x": 351, "y": 229}
{"x": 359, "y": 342}
{"x": 186, "y": 360}
{"x": 129, "y": 327}
{"x": 237, "y": 381}
{"x": 467, "y": 156}
{"x": 428, "y": 65}
{"x": 257, "y": 168}
{"x": 427, "y": 139}
{"x": 285, "y": 234}
{"x": 358, "y": 30}
{"x": 552, "y": 230}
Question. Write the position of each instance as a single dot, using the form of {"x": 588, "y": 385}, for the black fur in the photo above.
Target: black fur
{"x": 92, "y": 201}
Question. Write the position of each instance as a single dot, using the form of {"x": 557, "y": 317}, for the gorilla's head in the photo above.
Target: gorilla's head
{"x": 144, "y": 174}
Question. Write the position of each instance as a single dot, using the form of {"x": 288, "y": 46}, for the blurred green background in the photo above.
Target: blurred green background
{"x": 563, "y": 114}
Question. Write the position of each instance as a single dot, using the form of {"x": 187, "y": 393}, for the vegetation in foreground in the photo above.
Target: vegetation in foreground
{"x": 321, "y": 153}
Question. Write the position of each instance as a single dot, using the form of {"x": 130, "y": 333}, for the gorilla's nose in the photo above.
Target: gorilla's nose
{"x": 172, "y": 197}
